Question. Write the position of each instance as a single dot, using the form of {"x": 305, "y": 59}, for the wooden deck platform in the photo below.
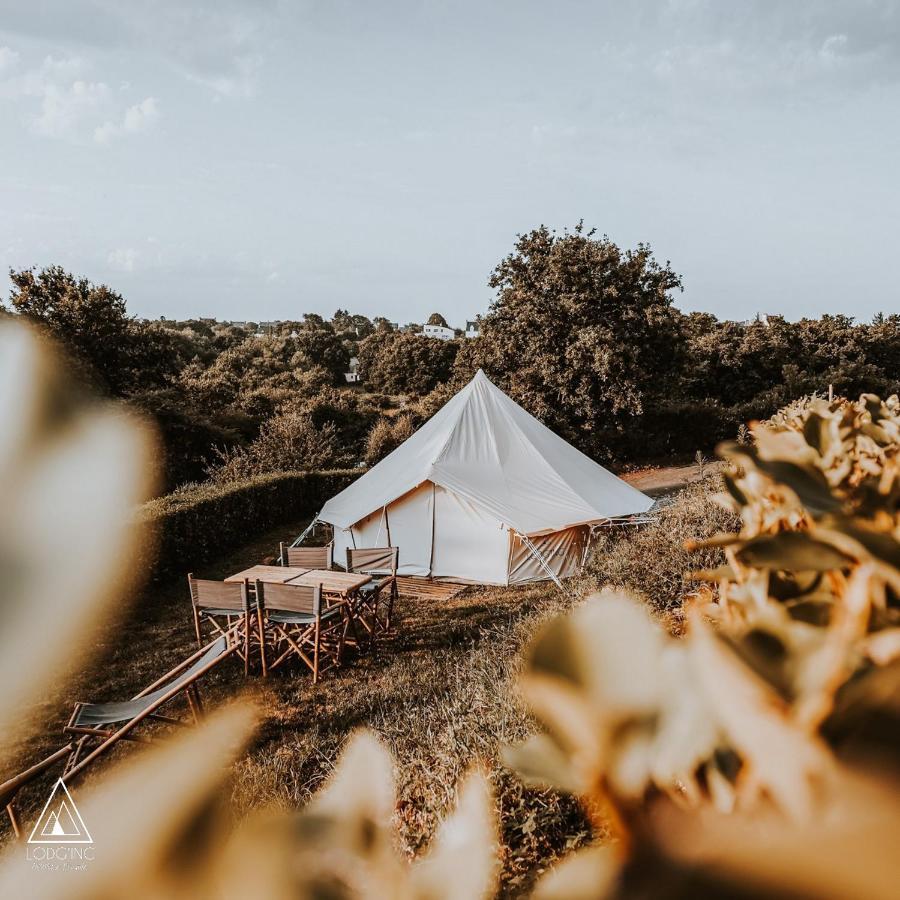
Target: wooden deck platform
{"x": 424, "y": 587}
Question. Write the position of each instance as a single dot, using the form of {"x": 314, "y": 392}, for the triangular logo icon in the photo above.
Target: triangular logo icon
{"x": 60, "y": 822}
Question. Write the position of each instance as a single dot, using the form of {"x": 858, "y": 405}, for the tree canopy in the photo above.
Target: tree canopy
{"x": 581, "y": 332}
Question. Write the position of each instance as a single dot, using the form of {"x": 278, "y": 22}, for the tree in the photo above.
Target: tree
{"x": 399, "y": 362}
{"x": 386, "y": 436}
{"x": 289, "y": 441}
{"x": 582, "y": 333}
{"x": 437, "y": 319}
{"x": 111, "y": 349}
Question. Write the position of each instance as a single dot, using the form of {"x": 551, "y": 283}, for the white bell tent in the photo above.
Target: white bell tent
{"x": 481, "y": 493}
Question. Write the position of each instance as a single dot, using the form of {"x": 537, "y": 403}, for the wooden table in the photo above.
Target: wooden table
{"x": 340, "y": 583}
{"x": 268, "y": 574}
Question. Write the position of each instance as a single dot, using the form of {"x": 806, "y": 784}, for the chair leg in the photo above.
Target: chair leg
{"x": 317, "y": 638}
{"x": 246, "y": 644}
{"x": 262, "y": 639}
{"x": 13, "y": 820}
{"x": 341, "y": 639}
{"x": 191, "y": 701}
{"x": 197, "y": 626}
{"x": 395, "y": 592}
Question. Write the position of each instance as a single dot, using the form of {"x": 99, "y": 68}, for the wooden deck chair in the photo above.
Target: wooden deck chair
{"x": 222, "y": 605}
{"x": 382, "y": 563}
{"x": 10, "y": 789}
{"x": 96, "y": 721}
{"x": 307, "y": 557}
{"x": 296, "y": 622}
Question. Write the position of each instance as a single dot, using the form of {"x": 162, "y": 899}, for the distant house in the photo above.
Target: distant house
{"x": 352, "y": 375}
{"x": 437, "y": 331}
{"x": 473, "y": 329}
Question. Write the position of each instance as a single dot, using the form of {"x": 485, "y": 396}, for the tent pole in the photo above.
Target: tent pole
{"x": 309, "y": 528}
{"x": 541, "y": 561}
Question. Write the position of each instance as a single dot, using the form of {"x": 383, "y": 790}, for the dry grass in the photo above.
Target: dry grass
{"x": 652, "y": 561}
{"x": 439, "y": 691}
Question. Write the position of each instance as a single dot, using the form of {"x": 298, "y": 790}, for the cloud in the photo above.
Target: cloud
{"x": 9, "y": 59}
{"x": 122, "y": 259}
{"x": 70, "y": 103}
{"x": 63, "y": 109}
{"x": 140, "y": 117}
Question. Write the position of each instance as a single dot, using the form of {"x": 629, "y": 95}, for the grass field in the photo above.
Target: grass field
{"x": 440, "y": 691}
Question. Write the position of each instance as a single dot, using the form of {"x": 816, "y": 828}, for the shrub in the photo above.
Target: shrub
{"x": 289, "y": 441}
{"x": 196, "y": 524}
{"x": 386, "y": 436}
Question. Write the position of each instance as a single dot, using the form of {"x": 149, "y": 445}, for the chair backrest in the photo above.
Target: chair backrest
{"x": 307, "y": 557}
{"x": 295, "y": 598}
{"x": 218, "y": 594}
{"x": 373, "y": 559}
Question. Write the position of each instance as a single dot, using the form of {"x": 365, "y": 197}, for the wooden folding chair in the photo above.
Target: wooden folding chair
{"x": 10, "y": 788}
{"x": 307, "y": 557}
{"x": 222, "y": 605}
{"x": 296, "y": 622}
{"x": 382, "y": 563}
{"x": 96, "y": 721}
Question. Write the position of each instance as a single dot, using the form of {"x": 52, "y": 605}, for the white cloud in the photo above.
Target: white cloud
{"x": 122, "y": 259}
{"x": 137, "y": 118}
{"x": 70, "y": 104}
{"x": 272, "y": 277}
{"x": 9, "y": 59}
{"x": 64, "y": 109}
{"x": 833, "y": 46}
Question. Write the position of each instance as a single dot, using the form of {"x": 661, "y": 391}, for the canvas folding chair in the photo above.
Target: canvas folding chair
{"x": 296, "y": 622}
{"x": 98, "y": 721}
{"x": 10, "y": 788}
{"x": 381, "y": 563}
{"x": 307, "y": 557}
{"x": 221, "y": 606}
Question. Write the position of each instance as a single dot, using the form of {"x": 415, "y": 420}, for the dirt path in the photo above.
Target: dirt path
{"x": 667, "y": 480}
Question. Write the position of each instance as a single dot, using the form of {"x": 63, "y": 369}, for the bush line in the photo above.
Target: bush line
{"x": 198, "y": 524}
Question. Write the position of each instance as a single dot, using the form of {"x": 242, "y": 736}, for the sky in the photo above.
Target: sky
{"x": 259, "y": 160}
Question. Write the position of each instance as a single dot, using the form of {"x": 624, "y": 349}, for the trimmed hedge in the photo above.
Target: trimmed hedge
{"x": 197, "y": 524}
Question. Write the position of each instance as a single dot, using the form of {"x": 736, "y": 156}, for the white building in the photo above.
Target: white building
{"x": 437, "y": 331}
{"x": 351, "y": 376}
{"x": 473, "y": 330}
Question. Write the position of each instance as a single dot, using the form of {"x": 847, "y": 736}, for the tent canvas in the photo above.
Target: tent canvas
{"x": 482, "y": 492}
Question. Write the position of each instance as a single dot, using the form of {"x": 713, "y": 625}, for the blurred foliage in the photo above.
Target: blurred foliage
{"x": 771, "y": 725}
